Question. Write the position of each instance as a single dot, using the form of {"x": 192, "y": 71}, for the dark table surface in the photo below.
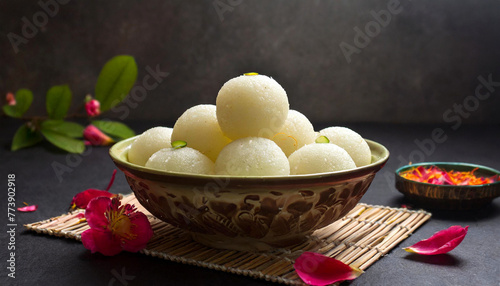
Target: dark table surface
{"x": 45, "y": 260}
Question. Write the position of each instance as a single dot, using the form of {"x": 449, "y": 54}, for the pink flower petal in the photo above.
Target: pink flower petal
{"x": 96, "y": 137}
{"x": 93, "y": 107}
{"x": 101, "y": 241}
{"x": 441, "y": 242}
{"x": 11, "y": 99}
{"x": 115, "y": 227}
{"x": 82, "y": 199}
{"x": 113, "y": 176}
{"x": 31, "y": 208}
{"x": 141, "y": 230}
{"x": 95, "y": 213}
{"x": 317, "y": 269}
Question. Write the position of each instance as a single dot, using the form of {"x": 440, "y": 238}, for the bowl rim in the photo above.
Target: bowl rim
{"x": 438, "y": 164}
{"x": 121, "y": 146}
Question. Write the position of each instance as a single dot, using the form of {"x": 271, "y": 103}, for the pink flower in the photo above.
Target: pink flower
{"x": 82, "y": 199}
{"x": 442, "y": 241}
{"x": 317, "y": 269}
{"x": 114, "y": 227}
{"x": 31, "y": 208}
{"x": 94, "y": 136}
{"x": 11, "y": 99}
{"x": 93, "y": 107}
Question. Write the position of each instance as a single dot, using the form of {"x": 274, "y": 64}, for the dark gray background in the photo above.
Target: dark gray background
{"x": 44, "y": 260}
{"x": 425, "y": 60}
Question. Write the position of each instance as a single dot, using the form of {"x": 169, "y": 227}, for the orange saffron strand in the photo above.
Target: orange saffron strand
{"x": 437, "y": 176}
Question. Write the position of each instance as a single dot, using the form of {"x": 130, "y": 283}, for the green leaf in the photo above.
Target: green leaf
{"x": 58, "y": 101}
{"x": 66, "y": 128}
{"x": 114, "y": 128}
{"x": 116, "y": 79}
{"x": 64, "y": 142}
{"x": 24, "y": 97}
{"x": 25, "y": 137}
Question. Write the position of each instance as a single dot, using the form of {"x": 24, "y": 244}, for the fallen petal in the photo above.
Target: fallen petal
{"x": 441, "y": 242}
{"x": 31, "y": 208}
{"x": 317, "y": 269}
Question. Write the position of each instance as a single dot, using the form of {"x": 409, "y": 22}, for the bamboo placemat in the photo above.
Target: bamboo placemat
{"x": 358, "y": 239}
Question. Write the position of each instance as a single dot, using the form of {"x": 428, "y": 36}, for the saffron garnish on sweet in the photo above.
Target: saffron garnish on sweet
{"x": 438, "y": 176}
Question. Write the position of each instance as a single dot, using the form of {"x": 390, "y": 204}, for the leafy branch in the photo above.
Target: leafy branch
{"x": 115, "y": 80}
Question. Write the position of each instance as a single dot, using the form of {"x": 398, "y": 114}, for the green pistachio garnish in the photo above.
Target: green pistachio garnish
{"x": 322, "y": 139}
{"x": 179, "y": 144}
{"x": 250, "y": 73}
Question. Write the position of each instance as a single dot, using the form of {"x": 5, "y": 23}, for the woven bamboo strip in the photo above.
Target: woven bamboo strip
{"x": 359, "y": 239}
{"x": 267, "y": 267}
{"x": 227, "y": 257}
{"x": 237, "y": 259}
{"x": 355, "y": 255}
{"x": 395, "y": 237}
{"x": 179, "y": 250}
{"x": 244, "y": 261}
{"x": 277, "y": 268}
{"x": 161, "y": 239}
{"x": 214, "y": 259}
{"x": 204, "y": 253}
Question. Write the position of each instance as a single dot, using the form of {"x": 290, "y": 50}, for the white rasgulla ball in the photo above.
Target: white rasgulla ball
{"x": 181, "y": 160}
{"x": 148, "y": 143}
{"x": 319, "y": 158}
{"x": 251, "y": 106}
{"x": 351, "y": 141}
{"x": 199, "y": 128}
{"x": 297, "y": 132}
{"x": 252, "y": 156}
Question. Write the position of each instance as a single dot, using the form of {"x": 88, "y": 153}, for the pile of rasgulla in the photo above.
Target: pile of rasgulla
{"x": 250, "y": 131}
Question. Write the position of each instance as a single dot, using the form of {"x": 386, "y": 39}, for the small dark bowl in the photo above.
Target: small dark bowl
{"x": 449, "y": 197}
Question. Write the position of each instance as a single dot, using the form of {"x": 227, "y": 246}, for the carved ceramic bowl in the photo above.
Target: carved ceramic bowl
{"x": 248, "y": 213}
{"x": 449, "y": 197}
